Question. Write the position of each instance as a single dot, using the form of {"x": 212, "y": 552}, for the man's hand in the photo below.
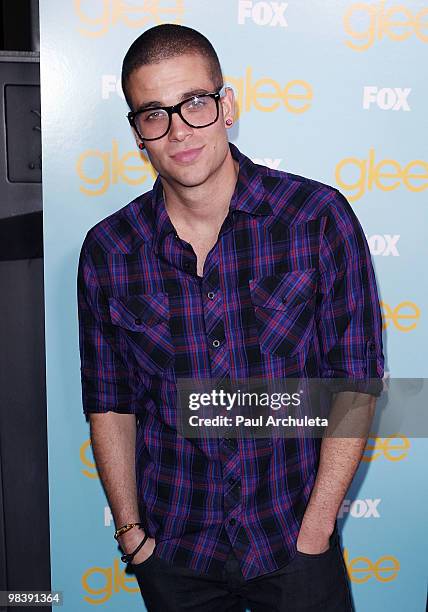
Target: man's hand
{"x": 131, "y": 539}
{"x": 113, "y": 443}
{"x": 314, "y": 539}
{"x": 351, "y": 414}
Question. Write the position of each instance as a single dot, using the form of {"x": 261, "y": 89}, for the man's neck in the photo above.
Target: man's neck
{"x": 204, "y": 205}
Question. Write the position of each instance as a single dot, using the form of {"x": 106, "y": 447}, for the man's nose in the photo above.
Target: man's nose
{"x": 179, "y": 130}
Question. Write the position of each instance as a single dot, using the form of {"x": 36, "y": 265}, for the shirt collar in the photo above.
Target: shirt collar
{"x": 250, "y": 192}
{"x": 162, "y": 223}
{"x": 249, "y": 196}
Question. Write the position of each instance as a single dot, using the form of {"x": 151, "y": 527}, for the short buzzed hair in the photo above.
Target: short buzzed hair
{"x": 164, "y": 42}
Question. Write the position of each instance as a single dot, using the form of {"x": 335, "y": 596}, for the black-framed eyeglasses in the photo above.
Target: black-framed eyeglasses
{"x": 198, "y": 111}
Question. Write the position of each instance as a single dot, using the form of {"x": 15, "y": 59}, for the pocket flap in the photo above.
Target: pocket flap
{"x": 135, "y": 312}
{"x": 280, "y": 291}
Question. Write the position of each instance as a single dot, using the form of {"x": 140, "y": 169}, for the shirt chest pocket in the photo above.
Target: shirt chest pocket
{"x": 284, "y": 307}
{"x": 144, "y": 322}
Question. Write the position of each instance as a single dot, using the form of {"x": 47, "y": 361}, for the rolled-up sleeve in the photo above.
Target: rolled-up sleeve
{"x": 349, "y": 322}
{"x": 108, "y": 381}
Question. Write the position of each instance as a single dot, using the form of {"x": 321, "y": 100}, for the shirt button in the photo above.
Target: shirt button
{"x": 232, "y": 521}
{"x": 284, "y": 299}
{"x": 187, "y": 265}
{"x": 216, "y": 343}
{"x": 232, "y": 480}
{"x": 137, "y": 321}
{"x": 372, "y": 347}
{"x": 211, "y": 295}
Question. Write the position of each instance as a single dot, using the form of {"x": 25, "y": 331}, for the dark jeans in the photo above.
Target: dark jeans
{"x": 309, "y": 583}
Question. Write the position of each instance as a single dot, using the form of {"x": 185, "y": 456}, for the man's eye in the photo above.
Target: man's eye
{"x": 196, "y": 103}
{"x": 154, "y": 115}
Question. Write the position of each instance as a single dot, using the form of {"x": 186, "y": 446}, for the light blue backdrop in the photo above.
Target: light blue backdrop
{"x": 360, "y": 69}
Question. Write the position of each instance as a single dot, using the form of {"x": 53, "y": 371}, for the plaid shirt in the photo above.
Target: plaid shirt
{"x": 288, "y": 291}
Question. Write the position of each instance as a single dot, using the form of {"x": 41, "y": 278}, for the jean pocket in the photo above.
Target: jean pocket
{"x": 145, "y": 562}
{"x": 333, "y": 540}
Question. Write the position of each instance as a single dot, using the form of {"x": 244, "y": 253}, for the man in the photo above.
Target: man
{"x": 228, "y": 270}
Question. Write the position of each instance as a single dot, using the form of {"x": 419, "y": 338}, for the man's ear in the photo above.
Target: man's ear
{"x": 228, "y": 105}
{"x": 140, "y": 143}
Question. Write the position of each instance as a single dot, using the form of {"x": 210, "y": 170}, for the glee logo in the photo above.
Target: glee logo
{"x": 384, "y": 244}
{"x": 355, "y": 176}
{"x": 360, "y": 508}
{"x": 393, "y": 448}
{"x": 113, "y": 580}
{"x": 110, "y": 169}
{"x": 397, "y": 23}
{"x": 404, "y": 311}
{"x": 361, "y": 569}
{"x": 262, "y": 13}
{"x": 106, "y": 14}
{"x": 387, "y": 98}
{"x": 267, "y": 95}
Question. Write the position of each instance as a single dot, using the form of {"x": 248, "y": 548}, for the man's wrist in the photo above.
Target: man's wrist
{"x": 322, "y": 522}
{"x": 128, "y": 557}
{"x": 125, "y": 528}
{"x": 130, "y": 539}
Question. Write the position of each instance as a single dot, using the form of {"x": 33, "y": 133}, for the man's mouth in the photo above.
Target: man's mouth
{"x": 187, "y": 156}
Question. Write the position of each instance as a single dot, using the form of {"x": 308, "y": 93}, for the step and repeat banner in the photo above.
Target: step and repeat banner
{"x": 335, "y": 91}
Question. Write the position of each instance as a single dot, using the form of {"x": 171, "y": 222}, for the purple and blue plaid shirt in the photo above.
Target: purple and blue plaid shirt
{"x": 288, "y": 290}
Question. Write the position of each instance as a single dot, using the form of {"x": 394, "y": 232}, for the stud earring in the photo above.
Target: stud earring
{"x": 229, "y": 122}
{"x": 141, "y": 145}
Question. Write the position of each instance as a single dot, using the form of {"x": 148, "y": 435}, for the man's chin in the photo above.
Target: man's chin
{"x": 192, "y": 177}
